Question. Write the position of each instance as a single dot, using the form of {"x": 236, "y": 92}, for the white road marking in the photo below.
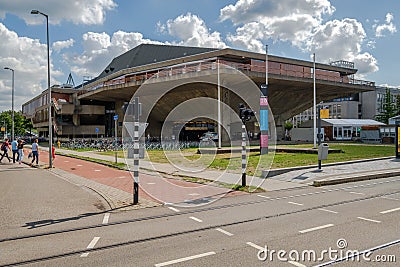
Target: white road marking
{"x": 91, "y": 245}
{"x": 263, "y": 196}
{"x": 185, "y": 259}
{"x": 368, "y": 220}
{"x": 296, "y": 264}
{"x": 388, "y": 211}
{"x": 194, "y": 194}
{"x": 151, "y": 183}
{"x": 97, "y": 170}
{"x": 356, "y": 193}
{"x": 66, "y": 160}
{"x": 195, "y": 219}
{"x": 295, "y": 203}
{"x": 331, "y": 211}
{"x": 316, "y": 228}
{"x": 79, "y": 165}
{"x": 174, "y": 209}
{"x": 255, "y": 246}
{"x": 93, "y": 242}
{"x": 106, "y": 218}
{"x": 224, "y": 232}
{"x": 390, "y": 198}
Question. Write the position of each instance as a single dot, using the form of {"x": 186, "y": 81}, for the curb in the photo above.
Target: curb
{"x": 318, "y": 183}
{"x": 274, "y": 172}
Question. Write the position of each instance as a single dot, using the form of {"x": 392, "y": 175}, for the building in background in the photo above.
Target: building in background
{"x": 88, "y": 110}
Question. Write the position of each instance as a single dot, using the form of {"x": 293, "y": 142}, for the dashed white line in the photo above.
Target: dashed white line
{"x": 195, "y": 219}
{"x": 295, "y": 203}
{"x": 79, "y": 165}
{"x": 391, "y": 198}
{"x": 224, "y": 232}
{"x": 151, "y": 183}
{"x": 97, "y": 170}
{"x": 316, "y": 228}
{"x": 255, "y": 246}
{"x": 263, "y": 196}
{"x": 296, "y": 264}
{"x": 368, "y": 220}
{"x": 185, "y": 259}
{"x": 331, "y": 211}
{"x": 93, "y": 242}
{"x": 356, "y": 193}
{"x": 173, "y": 209}
{"x": 91, "y": 245}
{"x": 194, "y": 194}
{"x": 389, "y": 211}
{"x": 106, "y": 218}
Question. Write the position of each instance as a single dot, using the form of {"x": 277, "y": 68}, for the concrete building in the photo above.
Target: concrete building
{"x": 88, "y": 109}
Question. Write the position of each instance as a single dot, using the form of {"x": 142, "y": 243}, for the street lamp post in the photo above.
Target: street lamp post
{"x": 12, "y": 104}
{"x": 48, "y": 88}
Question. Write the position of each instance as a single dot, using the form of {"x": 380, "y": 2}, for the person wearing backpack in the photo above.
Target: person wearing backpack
{"x": 5, "y": 147}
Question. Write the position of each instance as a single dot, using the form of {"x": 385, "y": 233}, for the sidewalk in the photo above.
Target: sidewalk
{"x": 290, "y": 178}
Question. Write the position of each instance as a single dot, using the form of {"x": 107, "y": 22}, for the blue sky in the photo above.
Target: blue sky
{"x": 86, "y": 34}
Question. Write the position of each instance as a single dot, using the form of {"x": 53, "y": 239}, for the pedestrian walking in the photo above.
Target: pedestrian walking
{"x": 14, "y": 148}
{"x": 35, "y": 152}
{"x": 5, "y": 147}
{"x": 53, "y": 153}
{"x": 20, "y": 150}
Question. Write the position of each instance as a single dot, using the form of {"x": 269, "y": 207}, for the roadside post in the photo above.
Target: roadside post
{"x": 245, "y": 114}
{"x": 397, "y": 141}
{"x": 97, "y": 132}
{"x": 136, "y": 154}
{"x": 116, "y": 138}
{"x": 323, "y": 149}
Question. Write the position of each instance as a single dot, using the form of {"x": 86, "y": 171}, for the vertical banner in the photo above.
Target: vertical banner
{"x": 264, "y": 110}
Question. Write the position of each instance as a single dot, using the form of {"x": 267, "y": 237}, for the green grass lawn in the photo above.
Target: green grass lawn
{"x": 351, "y": 151}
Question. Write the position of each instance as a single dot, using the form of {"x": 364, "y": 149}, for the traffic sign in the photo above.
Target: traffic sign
{"x": 97, "y": 130}
{"x": 116, "y": 117}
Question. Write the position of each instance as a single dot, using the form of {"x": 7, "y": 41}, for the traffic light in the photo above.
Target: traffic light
{"x": 245, "y": 114}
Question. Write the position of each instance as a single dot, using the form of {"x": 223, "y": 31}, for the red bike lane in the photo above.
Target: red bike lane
{"x": 152, "y": 187}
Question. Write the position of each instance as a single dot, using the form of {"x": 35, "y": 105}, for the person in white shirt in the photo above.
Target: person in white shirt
{"x": 35, "y": 152}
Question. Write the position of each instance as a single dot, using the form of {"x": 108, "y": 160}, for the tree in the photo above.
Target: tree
{"x": 397, "y": 105}
{"x": 21, "y": 124}
{"x": 389, "y": 109}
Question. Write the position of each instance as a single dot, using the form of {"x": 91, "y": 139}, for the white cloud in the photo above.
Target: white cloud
{"x": 301, "y": 24}
{"x": 343, "y": 39}
{"x": 100, "y": 48}
{"x": 192, "y": 31}
{"x": 388, "y": 27}
{"x": 28, "y": 58}
{"x": 59, "y": 45}
{"x": 286, "y": 20}
{"x": 245, "y": 11}
{"x": 79, "y": 12}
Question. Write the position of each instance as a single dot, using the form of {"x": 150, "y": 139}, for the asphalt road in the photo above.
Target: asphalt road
{"x": 326, "y": 224}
